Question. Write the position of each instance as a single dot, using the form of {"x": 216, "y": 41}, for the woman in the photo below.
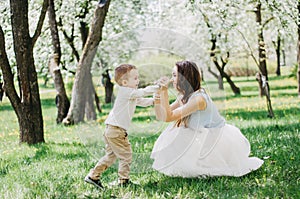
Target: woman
{"x": 198, "y": 142}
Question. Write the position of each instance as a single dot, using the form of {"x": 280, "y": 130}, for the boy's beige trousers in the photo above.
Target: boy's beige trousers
{"x": 117, "y": 146}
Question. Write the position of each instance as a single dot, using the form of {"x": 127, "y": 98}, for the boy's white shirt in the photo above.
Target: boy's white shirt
{"x": 126, "y": 101}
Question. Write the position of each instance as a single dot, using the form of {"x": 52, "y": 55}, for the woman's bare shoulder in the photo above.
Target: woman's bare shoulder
{"x": 200, "y": 101}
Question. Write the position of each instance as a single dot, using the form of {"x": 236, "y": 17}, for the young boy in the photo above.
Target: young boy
{"x": 118, "y": 122}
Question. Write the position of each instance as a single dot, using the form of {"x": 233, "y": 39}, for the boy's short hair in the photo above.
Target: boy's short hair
{"x": 121, "y": 72}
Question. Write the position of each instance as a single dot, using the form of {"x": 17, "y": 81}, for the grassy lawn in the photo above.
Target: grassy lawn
{"x": 56, "y": 168}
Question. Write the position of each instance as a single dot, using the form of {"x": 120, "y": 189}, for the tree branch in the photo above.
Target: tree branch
{"x": 251, "y": 51}
{"x": 38, "y": 29}
{"x": 267, "y": 21}
{"x": 213, "y": 73}
{"x": 225, "y": 61}
{"x": 8, "y": 77}
{"x": 70, "y": 39}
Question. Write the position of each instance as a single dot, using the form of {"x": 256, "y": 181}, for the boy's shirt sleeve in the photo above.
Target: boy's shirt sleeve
{"x": 144, "y": 102}
{"x": 142, "y": 92}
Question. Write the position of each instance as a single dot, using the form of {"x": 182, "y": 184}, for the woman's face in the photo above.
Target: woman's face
{"x": 174, "y": 77}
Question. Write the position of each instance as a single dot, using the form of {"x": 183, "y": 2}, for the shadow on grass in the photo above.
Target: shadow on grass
{"x": 48, "y": 150}
{"x": 289, "y": 87}
{"x": 45, "y": 151}
{"x": 143, "y": 118}
{"x": 46, "y": 103}
{"x": 275, "y": 128}
{"x": 262, "y": 114}
{"x": 5, "y": 107}
{"x": 252, "y": 79}
{"x": 284, "y": 95}
{"x": 254, "y": 95}
{"x": 249, "y": 88}
{"x": 201, "y": 187}
{"x": 232, "y": 96}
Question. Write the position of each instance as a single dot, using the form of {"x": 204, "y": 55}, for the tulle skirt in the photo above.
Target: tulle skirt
{"x": 185, "y": 152}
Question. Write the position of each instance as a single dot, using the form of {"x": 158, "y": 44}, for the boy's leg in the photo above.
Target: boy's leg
{"x": 122, "y": 149}
{"x": 105, "y": 162}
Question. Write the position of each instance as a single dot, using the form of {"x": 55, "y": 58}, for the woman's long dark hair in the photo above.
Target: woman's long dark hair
{"x": 188, "y": 81}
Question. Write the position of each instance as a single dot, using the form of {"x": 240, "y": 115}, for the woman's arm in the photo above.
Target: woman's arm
{"x": 175, "y": 104}
{"x": 165, "y": 113}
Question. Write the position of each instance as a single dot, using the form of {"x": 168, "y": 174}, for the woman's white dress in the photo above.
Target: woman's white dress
{"x": 206, "y": 147}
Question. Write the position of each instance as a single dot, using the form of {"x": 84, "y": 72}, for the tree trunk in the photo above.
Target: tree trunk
{"x": 262, "y": 60}
{"x": 278, "y": 72}
{"x": 213, "y": 55}
{"x": 283, "y": 58}
{"x": 236, "y": 90}
{"x": 54, "y": 31}
{"x": 108, "y": 85}
{"x": 298, "y": 50}
{"x": 62, "y": 101}
{"x": 79, "y": 91}
{"x": 261, "y": 45}
{"x": 84, "y": 30}
{"x": 260, "y": 88}
{"x": 1, "y": 91}
{"x": 92, "y": 95}
{"x": 90, "y": 112}
{"x": 97, "y": 100}
{"x": 220, "y": 82}
{"x": 218, "y": 77}
{"x": 202, "y": 74}
{"x": 27, "y": 106}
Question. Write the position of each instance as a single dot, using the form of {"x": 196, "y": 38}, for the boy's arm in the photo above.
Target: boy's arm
{"x": 142, "y": 92}
{"x": 144, "y": 102}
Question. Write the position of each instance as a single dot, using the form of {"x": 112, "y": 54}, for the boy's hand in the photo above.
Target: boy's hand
{"x": 163, "y": 82}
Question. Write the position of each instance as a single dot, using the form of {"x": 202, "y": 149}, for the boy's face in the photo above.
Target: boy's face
{"x": 133, "y": 79}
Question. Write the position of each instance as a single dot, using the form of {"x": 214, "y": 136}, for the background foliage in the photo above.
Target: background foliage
{"x": 176, "y": 27}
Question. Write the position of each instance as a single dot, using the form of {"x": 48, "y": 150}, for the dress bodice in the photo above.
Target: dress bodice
{"x": 207, "y": 118}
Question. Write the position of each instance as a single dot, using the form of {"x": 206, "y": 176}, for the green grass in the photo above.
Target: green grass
{"x": 56, "y": 168}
